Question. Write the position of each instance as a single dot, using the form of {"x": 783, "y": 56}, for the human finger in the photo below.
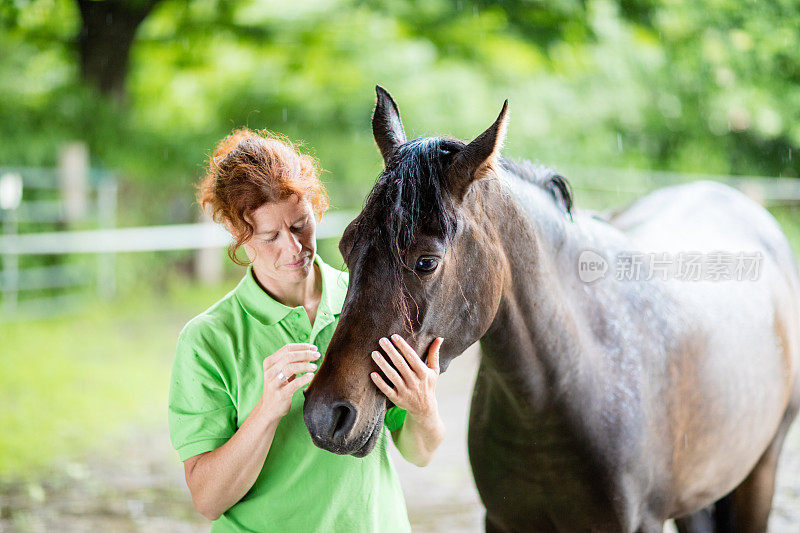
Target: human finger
{"x": 409, "y": 353}
{"x": 390, "y": 372}
{"x": 287, "y": 351}
{"x": 299, "y": 383}
{"x": 383, "y": 387}
{"x": 302, "y": 355}
{"x": 279, "y": 359}
{"x": 433, "y": 354}
{"x": 291, "y": 369}
{"x": 398, "y": 360}
{"x": 299, "y": 346}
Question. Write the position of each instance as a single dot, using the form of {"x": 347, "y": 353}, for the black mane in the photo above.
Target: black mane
{"x": 546, "y": 178}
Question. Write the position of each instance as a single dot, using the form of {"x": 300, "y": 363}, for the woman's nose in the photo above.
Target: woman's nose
{"x": 294, "y": 244}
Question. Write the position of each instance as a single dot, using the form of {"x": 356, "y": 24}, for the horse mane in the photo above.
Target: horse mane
{"x": 546, "y": 178}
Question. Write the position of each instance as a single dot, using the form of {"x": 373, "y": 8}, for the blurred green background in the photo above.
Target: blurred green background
{"x": 150, "y": 85}
{"x": 707, "y": 87}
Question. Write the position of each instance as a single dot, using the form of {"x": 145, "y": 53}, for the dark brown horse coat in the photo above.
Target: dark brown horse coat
{"x": 604, "y": 406}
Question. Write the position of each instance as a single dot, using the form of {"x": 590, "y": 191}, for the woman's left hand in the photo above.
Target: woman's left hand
{"x": 413, "y": 384}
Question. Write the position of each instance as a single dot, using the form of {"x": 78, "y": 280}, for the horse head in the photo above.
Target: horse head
{"x": 423, "y": 263}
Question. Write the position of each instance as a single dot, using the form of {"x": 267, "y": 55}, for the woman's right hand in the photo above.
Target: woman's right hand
{"x": 281, "y": 379}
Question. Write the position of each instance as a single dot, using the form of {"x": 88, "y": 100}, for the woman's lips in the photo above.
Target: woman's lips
{"x": 298, "y": 264}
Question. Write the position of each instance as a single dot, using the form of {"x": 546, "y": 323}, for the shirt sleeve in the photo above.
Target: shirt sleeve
{"x": 202, "y": 415}
{"x": 395, "y": 417}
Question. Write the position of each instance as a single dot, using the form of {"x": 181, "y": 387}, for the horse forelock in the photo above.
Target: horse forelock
{"x": 409, "y": 198}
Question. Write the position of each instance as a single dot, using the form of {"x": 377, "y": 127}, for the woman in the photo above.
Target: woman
{"x": 236, "y": 407}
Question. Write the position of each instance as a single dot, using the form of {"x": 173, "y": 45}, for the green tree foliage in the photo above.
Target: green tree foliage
{"x": 670, "y": 84}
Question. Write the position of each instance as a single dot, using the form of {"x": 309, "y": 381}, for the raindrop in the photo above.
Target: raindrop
{"x": 285, "y": 114}
{"x": 790, "y": 155}
{"x": 619, "y": 142}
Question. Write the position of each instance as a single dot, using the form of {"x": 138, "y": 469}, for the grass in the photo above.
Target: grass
{"x": 71, "y": 384}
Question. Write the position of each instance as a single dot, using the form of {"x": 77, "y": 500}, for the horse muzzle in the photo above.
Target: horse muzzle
{"x": 339, "y": 427}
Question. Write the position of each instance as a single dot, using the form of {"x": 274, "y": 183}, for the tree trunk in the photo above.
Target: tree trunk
{"x": 104, "y": 43}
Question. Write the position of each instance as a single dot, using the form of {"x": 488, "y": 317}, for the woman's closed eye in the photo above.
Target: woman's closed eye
{"x": 295, "y": 228}
{"x": 301, "y": 225}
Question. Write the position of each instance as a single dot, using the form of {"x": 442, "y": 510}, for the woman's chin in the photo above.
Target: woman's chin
{"x": 299, "y": 274}
{"x": 296, "y": 273}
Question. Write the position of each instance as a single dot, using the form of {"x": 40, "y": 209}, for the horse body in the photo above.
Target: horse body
{"x": 644, "y": 380}
{"x": 604, "y": 406}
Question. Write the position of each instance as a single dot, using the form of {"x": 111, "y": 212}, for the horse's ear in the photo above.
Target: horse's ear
{"x": 387, "y": 128}
{"x": 478, "y": 158}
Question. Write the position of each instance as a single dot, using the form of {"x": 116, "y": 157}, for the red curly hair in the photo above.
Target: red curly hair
{"x": 250, "y": 168}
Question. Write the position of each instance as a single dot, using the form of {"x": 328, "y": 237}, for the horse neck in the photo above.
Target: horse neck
{"x": 538, "y": 344}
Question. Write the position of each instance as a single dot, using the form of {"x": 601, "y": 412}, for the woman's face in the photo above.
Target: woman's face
{"x": 284, "y": 240}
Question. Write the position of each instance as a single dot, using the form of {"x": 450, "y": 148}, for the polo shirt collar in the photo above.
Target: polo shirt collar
{"x": 261, "y": 306}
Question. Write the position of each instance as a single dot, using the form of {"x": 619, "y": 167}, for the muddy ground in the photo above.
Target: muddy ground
{"x": 141, "y": 487}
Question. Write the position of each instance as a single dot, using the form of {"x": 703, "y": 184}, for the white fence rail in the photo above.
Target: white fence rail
{"x": 205, "y": 237}
{"x": 38, "y": 200}
{"x": 770, "y": 191}
{"x": 143, "y": 239}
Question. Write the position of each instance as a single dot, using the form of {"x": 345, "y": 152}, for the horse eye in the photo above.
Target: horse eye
{"x": 426, "y": 264}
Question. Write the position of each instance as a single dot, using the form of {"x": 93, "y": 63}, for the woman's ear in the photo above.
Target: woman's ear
{"x": 249, "y": 251}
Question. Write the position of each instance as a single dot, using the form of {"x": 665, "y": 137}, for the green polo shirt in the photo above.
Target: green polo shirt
{"x": 217, "y": 379}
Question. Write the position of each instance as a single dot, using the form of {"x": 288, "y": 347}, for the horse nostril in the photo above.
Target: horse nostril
{"x": 344, "y": 418}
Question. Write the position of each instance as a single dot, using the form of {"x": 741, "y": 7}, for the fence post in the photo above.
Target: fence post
{"x": 73, "y": 167}
{"x": 10, "y": 198}
{"x": 753, "y": 190}
{"x": 107, "y": 218}
{"x": 208, "y": 265}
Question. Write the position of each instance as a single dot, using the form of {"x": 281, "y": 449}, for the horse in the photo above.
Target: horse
{"x": 607, "y": 404}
